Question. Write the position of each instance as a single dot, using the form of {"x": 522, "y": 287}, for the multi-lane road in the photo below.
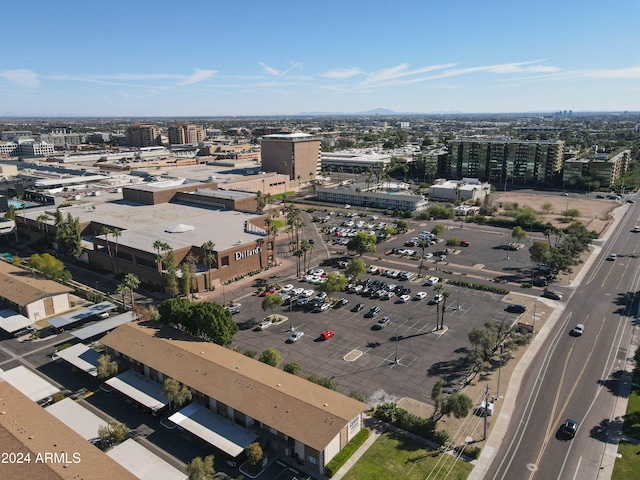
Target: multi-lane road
{"x": 578, "y": 377}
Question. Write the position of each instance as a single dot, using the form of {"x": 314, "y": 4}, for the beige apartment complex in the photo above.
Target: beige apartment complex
{"x": 143, "y": 135}
{"x": 186, "y": 133}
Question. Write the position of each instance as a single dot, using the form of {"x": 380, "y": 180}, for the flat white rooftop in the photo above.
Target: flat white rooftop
{"x": 81, "y": 357}
{"x": 82, "y": 421}
{"x": 220, "y": 432}
{"x": 143, "y": 463}
{"x": 141, "y": 389}
{"x": 11, "y": 321}
{"x": 28, "y": 383}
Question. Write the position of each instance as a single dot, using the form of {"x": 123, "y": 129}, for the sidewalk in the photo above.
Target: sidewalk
{"x": 377, "y": 427}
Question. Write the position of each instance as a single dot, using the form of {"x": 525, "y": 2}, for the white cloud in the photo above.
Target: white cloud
{"x": 343, "y": 73}
{"x": 629, "y": 73}
{"x": 198, "y": 76}
{"x": 22, "y": 77}
{"x": 270, "y": 70}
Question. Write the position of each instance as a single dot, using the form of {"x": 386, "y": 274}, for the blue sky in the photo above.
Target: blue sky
{"x": 210, "y": 58}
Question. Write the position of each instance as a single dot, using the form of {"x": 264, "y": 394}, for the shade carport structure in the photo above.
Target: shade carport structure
{"x": 11, "y": 321}
{"x": 214, "y": 429}
{"x": 143, "y": 390}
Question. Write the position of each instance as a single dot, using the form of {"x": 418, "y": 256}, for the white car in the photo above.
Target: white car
{"x": 287, "y": 288}
{"x": 298, "y": 291}
{"x": 264, "y": 325}
{"x": 404, "y": 298}
{"x": 390, "y": 295}
{"x": 420, "y": 296}
{"x": 325, "y": 306}
{"x": 372, "y": 269}
{"x": 318, "y": 272}
{"x": 636, "y": 229}
{"x": 428, "y": 255}
{"x": 308, "y": 293}
{"x": 432, "y": 281}
{"x": 295, "y": 336}
{"x": 437, "y": 299}
{"x": 307, "y": 278}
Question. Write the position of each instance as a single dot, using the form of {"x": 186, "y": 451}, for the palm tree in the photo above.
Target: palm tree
{"x": 106, "y": 231}
{"x": 122, "y": 289}
{"x": 116, "y": 233}
{"x": 131, "y": 281}
{"x": 208, "y": 249}
{"x": 161, "y": 249}
{"x": 41, "y": 221}
{"x": 422, "y": 243}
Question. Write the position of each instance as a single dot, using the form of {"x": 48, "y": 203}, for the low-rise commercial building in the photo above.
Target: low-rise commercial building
{"x": 359, "y": 196}
{"x": 467, "y": 189}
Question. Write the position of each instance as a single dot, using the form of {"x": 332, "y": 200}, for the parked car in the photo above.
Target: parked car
{"x": 552, "y": 295}
{"x": 358, "y": 307}
{"x": 516, "y": 308}
{"x": 383, "y": 322}
{"x": 464, "y": 243}
{"x": 287, "y": 288}
{"x": 432, "y": 281}
{"x": 233, "y": 308}
{"x": 372, "y": 312}
{"x": 569, "y": 428}
{"x": 539, "y": 282}
{"x": 327, "y": 334}
{"x": 295, "y": 336}
{"x": 578, "y": 330}
{"x": 437, "y": 299}
{"x": 341, "y": 303}
{"x": 263, "y": 325}
{"x": 420, "y": 296}
{"x": 404, "y": 298}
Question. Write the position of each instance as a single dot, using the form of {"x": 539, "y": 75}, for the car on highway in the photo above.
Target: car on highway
{"x": 612, "y": 257}
{"x": 553, "y": 295}
{"x": 636, "y": 229}
{"x": 383, "y": 322}
{"x": 578, "y": 330}
{"x": 420, "y": 296}
{"x": 327, "y": 334}
{"x": 295, "y": 336}
{"x": 516, "y": 308}
{"x": 569, "y": 428}
{"x": 431, "y": 281}
{"x": 357, "y": 307}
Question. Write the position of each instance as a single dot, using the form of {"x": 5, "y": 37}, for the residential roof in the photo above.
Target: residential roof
{"x": 292, "y": 405}
{"x": 20, "y": 287}
{"x": 28, "y": 428}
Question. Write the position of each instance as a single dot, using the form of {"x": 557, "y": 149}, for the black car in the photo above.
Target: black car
{"x": 373, "y": 312}
{"x": 570, "y": 428}
{"x": 358, "y": 307}
{"x": 539, "y": 282}
{"x": 515, "y": 308}
{"x": 341, "y": 303}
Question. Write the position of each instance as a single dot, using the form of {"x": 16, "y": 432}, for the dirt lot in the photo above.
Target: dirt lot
{"x": 594, "y": 213}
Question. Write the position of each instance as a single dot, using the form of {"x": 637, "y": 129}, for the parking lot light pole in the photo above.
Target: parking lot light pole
{"x": 458, "y": 306}
{"x": 395, "y": 361}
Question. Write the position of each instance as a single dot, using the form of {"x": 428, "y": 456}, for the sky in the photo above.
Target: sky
{"x": 249, "y": 58}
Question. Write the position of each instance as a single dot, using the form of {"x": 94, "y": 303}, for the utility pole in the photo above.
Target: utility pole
{"x": 499, "y": 371}
{"x": 533, "y": 321}
{"x": 458, "y": 306}
{"x": 486, "y": 410}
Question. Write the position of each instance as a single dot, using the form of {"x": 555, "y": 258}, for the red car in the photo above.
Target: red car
{"x": 264, "y": 293}
{"x": 327, "y": 334}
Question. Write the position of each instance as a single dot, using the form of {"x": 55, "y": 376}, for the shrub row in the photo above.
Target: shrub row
{"x": 345, "y": 454}
{"x": 479, "y": 286}
{"x": 423, "y": 427}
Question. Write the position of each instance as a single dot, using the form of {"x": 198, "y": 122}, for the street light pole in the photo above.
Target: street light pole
{"x": 458, "y": 306}
{"x": 499, "y": 371}
{"x": 533, "y": 322}
{"x": 395, "y": 361}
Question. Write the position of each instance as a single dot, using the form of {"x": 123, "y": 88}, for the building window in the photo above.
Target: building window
{"x": 224, "y": 261}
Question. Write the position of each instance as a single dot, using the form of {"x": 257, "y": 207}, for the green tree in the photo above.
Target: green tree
{"x": 518, "y": 233}
{"x": 457, "y": 404}
{"x": 207, "y": 320}
{"x": 438, "y": 230}
{"x": 171, "y": 284}
{"x": 389, "y": 231}
{"x": 11, "y": 212}
{"x": 292, "y": 367}
{"x": 547, "y": 208}
{"x": 271, "y": 302}
{"x": 131, "y": 281}
{"x": 260, "y": 202}
{"x": 271, "y": 356}
{"x": 361, "y": 243}
{"x": 572, "y": 213}
{"x": 123, "y": 290}
{"x": 113, "y": 432}
{"x": 436, "y": 396}
{"x": 201, "y": 468}
{"x": 453, "y": 242}
{"x": 49, "y": 266}
{"x": 185, "y": 279}
{"x": 422, "y": 243}
{"x": 440, "y": 212}
{"x": 106, "y": 231}
{"x": 177, "y": 393}
{"x": 355, "y": 268}
{"x": 107, "y": 367}
{"x": 336, "y": 282}
{"x": 539, "y": 252}
{"x": 403, "y": 225}
{"x": 68, "y": 237}
{"x": 254, "y": 453}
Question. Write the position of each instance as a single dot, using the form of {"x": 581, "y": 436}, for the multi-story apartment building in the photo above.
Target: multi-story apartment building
{"x": 139, "y": 135}
{"x": 293, "y": 154}
{"x": 186, "y": 133}
{"x": 36, "y": 149}
{"x": 502, "y": 159}
{"x": 604, "y": 169}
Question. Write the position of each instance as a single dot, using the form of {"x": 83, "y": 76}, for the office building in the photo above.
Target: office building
{"x": 186, "y": 133}
{"x": 139, "y": 135}
{"x": 293, "y": 154}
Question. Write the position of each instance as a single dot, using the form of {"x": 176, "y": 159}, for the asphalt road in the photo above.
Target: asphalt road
{"x": 578, "y": 377}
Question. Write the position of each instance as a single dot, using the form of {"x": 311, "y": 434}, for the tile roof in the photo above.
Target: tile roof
{"x": 21, "y": 287}
{"x": 292, "y": 405}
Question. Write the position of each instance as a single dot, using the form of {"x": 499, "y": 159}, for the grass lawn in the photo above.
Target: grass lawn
{"x": 400, "y": 458}
{"x": 631, "y": 426}
{"x": 628, "y": 466}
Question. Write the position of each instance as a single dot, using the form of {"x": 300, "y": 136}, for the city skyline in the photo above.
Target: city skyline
{"x": 251, "y": 59}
